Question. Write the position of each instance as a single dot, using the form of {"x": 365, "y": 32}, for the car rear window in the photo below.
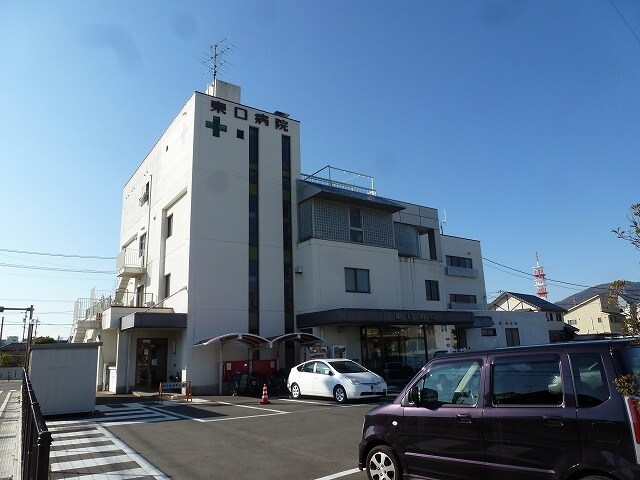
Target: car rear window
{"x": 629, "y": 358}
{"x": 589, "y": 379}
{"x": 527, "y": 381}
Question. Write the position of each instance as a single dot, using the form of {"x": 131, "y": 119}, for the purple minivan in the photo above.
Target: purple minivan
{"x": 544, "y": 412}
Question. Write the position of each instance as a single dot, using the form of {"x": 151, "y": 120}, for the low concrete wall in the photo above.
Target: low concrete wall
{"x": 11, "y": 373}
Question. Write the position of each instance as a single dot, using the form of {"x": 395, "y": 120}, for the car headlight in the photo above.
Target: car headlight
{"x": 354, "y": 381}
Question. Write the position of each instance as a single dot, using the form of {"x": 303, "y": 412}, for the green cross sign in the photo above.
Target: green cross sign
{"x": 215, "y": 126}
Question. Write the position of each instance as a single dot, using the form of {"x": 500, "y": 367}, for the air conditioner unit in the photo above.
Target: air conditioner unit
{"x": 143, "y": 198}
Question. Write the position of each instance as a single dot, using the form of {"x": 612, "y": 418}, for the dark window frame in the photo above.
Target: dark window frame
{"x": 357, "y": 286}
{"x": 169, "y": 225}
{"x": 433, "y": 290}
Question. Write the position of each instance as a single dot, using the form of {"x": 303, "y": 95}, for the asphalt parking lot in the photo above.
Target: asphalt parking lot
{"x": 237, "y": 437}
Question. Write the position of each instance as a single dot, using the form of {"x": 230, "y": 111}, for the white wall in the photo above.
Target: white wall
{"x": 322, "y": 284}
{"x": 463, "y": 247}
{"x": 532, "y": 329}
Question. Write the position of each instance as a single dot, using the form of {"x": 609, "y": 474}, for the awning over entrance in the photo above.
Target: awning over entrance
{"x": 249, "y": 339}
{"x": 364, "y": 316}
{"x": 153, "y": 320}
{"x": 256, "y": 341}
{"x": 302, "y": 338}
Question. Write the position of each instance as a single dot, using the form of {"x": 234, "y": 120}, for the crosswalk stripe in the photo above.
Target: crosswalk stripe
{"x": 83, "y": 450}
{"x": 132, "y": 473}
{"x": 90, "y": 462}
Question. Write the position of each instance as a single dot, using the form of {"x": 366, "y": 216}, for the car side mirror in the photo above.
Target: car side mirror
{"x": 428, "y": 397}
{"x": 425, "y": 397}
{"x": 330, "y": 373}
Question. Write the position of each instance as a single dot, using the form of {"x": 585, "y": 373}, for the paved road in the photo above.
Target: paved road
{"x": 215, "y": 437}
{"x": 10, "y": 392}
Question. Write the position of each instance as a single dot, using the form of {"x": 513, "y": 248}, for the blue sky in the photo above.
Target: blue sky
{"x": 518, "y": 118}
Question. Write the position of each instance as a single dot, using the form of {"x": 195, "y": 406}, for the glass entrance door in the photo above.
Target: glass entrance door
{"x": 151, "y": 362}
{"x": 396, "y": 352}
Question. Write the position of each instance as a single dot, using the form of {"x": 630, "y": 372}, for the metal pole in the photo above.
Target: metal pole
{"x": 1, "y": 328}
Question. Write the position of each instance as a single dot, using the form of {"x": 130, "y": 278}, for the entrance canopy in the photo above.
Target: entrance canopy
{"x": 256, "y": 341}
{"x": 249, "y": 339}
{"x": 302, "y": 338}
{"x": 153, "y": 320}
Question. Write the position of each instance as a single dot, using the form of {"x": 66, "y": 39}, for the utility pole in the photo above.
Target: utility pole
{"x": 29, "y": 338}
{"x": 1, "y": 328}
{"x": 28, "y": 344}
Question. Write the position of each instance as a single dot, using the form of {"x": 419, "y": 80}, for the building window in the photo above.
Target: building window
{"x": 559, "y": 317}
{"x": 573, "y": 322}
{"x": 142, "y": 246}
{"x": 433, "y": 292}
{"x": 462, "y": 262}
{"x": 549, "y": 317}
{"x": 287, "y": 243}
{"x": 145, "y": 195}
{"x": 167, "y": 285}
{"x": 254, "y": 251}
{"x": 240, "y": 134}
{"x": 461, "y": 298}
{"x": 488, "y": 332}
{"x": 431, "y": 236}
{"x": 599, "y": 320}
{"x": 356, "y": 280}
{"x": 513, "y": 337}
{"x": 169, "y": 225}
{"x": 139, "y": 295}
{"x": 355, "y": 224}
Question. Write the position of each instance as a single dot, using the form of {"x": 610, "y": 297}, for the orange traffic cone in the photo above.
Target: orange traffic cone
{"x": 265, "y": 396}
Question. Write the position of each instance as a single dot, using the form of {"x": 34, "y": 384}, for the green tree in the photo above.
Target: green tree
{"x": 629, "y": 384}
{"x": 5, "y": 360}
{"x": 41, "y": 340}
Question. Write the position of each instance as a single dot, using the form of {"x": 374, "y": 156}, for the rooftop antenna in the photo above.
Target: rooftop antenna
{"x": 215, "y": 58}
{"x": 442, "y": 222}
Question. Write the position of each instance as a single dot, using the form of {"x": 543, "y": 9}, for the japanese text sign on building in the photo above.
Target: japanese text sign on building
{"x": 241, "y": 113}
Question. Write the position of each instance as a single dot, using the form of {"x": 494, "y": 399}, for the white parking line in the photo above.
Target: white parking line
{"x": 6, "y": 400}
{"x": 250, "y": 406}
{"x": 328, "y": 403}
{"x": 224, "y": 419}
{"x": 340, "y": 474}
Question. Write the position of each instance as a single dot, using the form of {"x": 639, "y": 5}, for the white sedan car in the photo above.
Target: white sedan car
{"x": 335, "y": 377}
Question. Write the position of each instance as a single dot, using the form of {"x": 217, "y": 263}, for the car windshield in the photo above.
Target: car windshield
{"x": 345, "y": 366}
{"x": 630, "y": 360}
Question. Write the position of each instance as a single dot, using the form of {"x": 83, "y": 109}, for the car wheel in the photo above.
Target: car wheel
{"x": 339, "y": 394}
{"x": 382, "y": 464}
{"x": 295, "y": 391}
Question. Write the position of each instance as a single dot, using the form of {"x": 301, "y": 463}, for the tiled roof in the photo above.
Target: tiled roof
{"x": 538, "y": 302}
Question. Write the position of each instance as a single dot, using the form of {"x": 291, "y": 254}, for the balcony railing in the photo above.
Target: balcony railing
{"x": 131, "y": 299}
{"x": 90, "y": 309}
{"x": 345, "y": 179}
{"x": 463, "y": 306}
{"x": 130, "y": 263}
{"x": 462, "y": 272}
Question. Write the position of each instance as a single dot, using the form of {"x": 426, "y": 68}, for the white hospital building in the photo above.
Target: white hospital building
{"x": 228, "y": 252}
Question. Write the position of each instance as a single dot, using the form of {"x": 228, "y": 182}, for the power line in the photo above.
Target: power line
{"x": 629, "y": 293}
{"x": 624, "y": 20}
{"x": 93, "y": 257}
{"x": 57, "y": 269}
